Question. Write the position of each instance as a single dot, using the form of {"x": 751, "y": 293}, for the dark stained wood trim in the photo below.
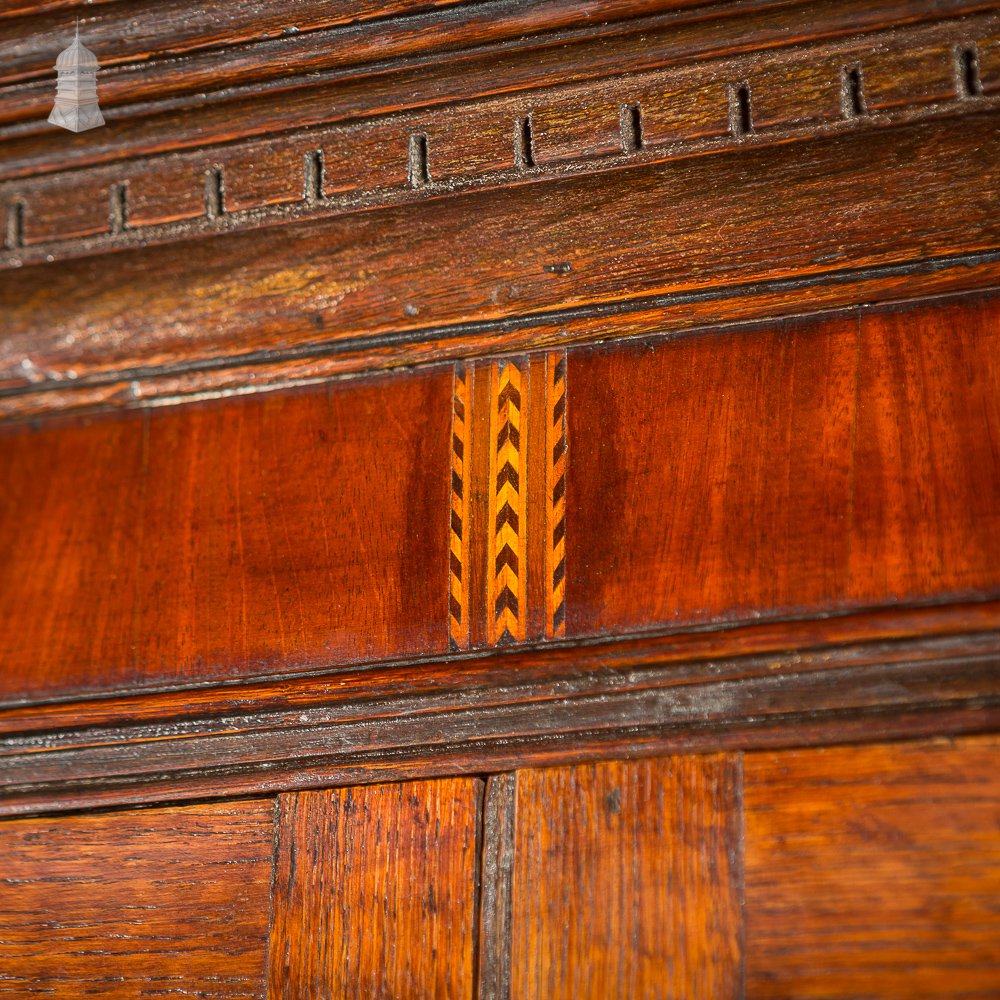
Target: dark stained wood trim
{"x": 198, "y": 707}
{"x": 365, "y": 69}
{"x": 617, "y": 698}
{"x": 683, "y": 279}
{"x": 686, "y": 313}
{"x": 683, "y": 113}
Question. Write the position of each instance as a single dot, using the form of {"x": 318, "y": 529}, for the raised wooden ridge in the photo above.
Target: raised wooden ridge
{"x": 892, "y": 673}
{"x": 338, "y": 43}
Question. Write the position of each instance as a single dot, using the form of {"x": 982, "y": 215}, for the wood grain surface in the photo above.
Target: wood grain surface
{"x": 874, "y": 872}
{"x": 162, "y": 54}
{"x": 824, "y": 464}
{"x": 626, "y": 881}
{"x": 375, "y": 893}
{"x": 149, "y": 903}
{"x": 229, "y": 539}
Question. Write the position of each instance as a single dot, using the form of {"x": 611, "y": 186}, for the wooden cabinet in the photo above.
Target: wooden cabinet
{"x": 502, "y": 501}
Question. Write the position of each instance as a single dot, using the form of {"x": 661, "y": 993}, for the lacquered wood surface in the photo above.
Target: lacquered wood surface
{"x": 149, "y": 903}
{"x": 874, "y": 872}
{"x": 229, "y": 539}
{"x": 824, "y": 464}
{"x": 375, "y": 892}
{"x": 626, "y": 881}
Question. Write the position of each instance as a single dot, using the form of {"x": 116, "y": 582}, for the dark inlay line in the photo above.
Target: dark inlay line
{"x": 496, "y": 887}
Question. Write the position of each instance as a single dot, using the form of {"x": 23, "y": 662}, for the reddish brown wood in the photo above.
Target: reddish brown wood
{"x": 229, "y": 539}
{"x": 137, "y": 904}
{"x": 828, "y": 464}
{"x": 375, "y": 894}
{"x": 874, "y": 872}
{"x": 626, "y": 880}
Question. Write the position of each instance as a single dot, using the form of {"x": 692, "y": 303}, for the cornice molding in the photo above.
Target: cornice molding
{"x": 783, "y": 95}
{"x": 855, "y": 219}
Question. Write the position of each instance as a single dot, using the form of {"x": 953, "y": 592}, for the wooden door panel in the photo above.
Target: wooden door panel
{"x": 137, "y": 904}
{"x": 874, "y": 872}
{"x": 625, "y": 881}
{"x": 797, "y": 468}
{"x": 375, "y": 892}
{"x": 227, "y": 539}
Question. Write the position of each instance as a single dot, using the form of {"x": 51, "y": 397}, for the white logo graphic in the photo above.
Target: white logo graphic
{"x": 76, "y": 106}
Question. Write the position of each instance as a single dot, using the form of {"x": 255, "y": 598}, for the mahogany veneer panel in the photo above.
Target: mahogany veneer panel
{"x": 625, "y": 881}
{"x": 375, "y": 892}
{"x": 874, "y": 872}
{"x": 137, "y": 904}
{"x": 801, "y": 467}
{"x": 222, "y": 539}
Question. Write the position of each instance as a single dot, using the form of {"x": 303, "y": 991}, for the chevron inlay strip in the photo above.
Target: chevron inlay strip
{"x": 461, "y": 453}
{"x": 555, "y": 494}
{"x": 507, "y": 570}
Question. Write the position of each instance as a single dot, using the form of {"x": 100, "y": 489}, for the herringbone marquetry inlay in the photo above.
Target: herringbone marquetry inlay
{"x": 555, "y": 494}
{"x": 506, "y": 569}
{"x": 461, "y": 412}
{"x": 509, "y": 446}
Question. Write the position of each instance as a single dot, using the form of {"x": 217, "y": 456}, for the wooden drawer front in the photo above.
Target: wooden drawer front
{"x": 869, "y": 872}
{"x": 375, "y": 892}
{"x": 797, "y": 468}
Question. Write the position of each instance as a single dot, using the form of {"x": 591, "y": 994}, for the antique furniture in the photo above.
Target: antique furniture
{"x": 502, "y": 500}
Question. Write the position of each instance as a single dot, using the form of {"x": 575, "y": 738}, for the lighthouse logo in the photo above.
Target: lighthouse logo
{"x": 76, "y": 106}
